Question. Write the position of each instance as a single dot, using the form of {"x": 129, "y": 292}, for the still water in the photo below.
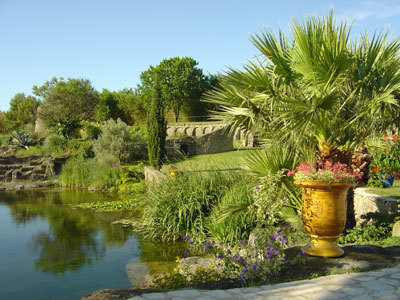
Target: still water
{"x": 49, "y": 250}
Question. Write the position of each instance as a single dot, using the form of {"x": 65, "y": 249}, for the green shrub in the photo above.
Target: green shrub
{"x": 33, "y": 150}
{"x": 385, "y": 159}
{"x": 131, "y": 181}
{"x": 116, "y": 140}
{"x": 180, "y": 205}
{"x": 90, "y": 131}
{"x": 377, "y": 229}
{"x": 79, "y": 173}
{"x": 4, "y": 139}
{"x": 139, "y": 132}
{"x": 55, "y": 144}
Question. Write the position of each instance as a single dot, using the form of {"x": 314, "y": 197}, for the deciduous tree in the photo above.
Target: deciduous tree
{"x": 66, "y": 102}
{"x": 180, "y": 81}
{"x": 22, "y": 111}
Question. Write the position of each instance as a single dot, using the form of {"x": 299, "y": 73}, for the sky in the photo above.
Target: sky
{"x": 110, "y": 42}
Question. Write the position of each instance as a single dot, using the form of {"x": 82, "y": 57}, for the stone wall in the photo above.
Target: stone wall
{"x": 29, "y": 168}
{"x": 365, "y": 203}
{"x": 217, "y": 141}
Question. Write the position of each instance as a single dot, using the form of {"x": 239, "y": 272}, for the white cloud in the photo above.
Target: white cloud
{"x": 381, "y": 9}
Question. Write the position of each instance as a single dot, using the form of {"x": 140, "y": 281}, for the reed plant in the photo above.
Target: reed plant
{"x": 180, "y": 206}
{"x": 80, "y": 173}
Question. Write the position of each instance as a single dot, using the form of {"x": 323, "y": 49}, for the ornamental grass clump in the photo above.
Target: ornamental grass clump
{"x": 337, "y": 172}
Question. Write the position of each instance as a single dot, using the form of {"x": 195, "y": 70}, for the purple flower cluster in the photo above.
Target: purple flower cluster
{"x": 279, "y": 237}
{"x": 245, "y": 263}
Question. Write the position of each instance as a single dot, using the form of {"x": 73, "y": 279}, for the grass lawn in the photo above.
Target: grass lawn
{"x": 393, "y": 191}
{"x": 224, "y": 160}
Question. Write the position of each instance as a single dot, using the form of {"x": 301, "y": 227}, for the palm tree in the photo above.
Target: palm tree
{"x": 317, "y": 87}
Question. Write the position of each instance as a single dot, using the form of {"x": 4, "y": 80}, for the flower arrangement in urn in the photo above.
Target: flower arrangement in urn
{"x": 324, "y": 188}
{"x": 327, "y": 171}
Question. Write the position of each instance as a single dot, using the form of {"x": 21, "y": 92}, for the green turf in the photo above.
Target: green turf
{"x": 393, "y": 191}
{"x": 224, "y": 160}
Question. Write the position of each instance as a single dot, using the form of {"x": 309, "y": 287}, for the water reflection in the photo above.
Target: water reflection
{"x": 72, "y": 239}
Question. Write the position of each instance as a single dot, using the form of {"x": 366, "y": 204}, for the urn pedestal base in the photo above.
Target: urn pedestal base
{"x": 323, "y": 246}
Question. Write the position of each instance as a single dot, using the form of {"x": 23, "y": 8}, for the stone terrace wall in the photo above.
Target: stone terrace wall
{"x": 29, "y": 168}
{"x": 365, "y": 203}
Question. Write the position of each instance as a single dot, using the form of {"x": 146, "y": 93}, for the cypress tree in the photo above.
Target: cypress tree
{"x": 156, "y": 130}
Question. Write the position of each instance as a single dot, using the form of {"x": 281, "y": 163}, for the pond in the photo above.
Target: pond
{"x": 50, "y": 250}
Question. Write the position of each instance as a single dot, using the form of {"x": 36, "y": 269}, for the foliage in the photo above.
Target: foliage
{"x": 3, "y": 123}
{"x": 116, "y": 140}
{"x": 327, "y": 171}
{"x": 156, "y": 130}
{"x": 237, "y": 226}
{"x": 140, "y": 131}
{"x": 56, "y": 144}
{"x": 315, "y": 87}
{"x": 131, "y": 105}
{"x": 37, "y": 149}
{"x": 179, "y": 80}
{"x": 125, "y": 204}
{"x": 80, "y": 173}
{"x": 131, "y": 180}
{"x": 181, "y": 205}
{"x": 124, "y": 104}
{"x": 90, "y": 131}
{"x": 385, "y": 160}
{"x": 270, "y": 163}
{"x": 22, "y": 139}
{"x": 22, "y": 111}
{"x": 66, "y": 103}
{"x": 269, "y": 200}
{"x": 257, "y": 262}
{"x": 5, "y": 139}
{"x": 378, "y": 227}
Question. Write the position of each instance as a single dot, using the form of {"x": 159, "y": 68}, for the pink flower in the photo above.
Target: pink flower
{"x": 291, "y": 172}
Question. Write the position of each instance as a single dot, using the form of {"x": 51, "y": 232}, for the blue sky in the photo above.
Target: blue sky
{"x": 110, "y": 42}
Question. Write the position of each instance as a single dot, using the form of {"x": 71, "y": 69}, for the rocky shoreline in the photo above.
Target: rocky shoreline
{"x": 26, "y": 185}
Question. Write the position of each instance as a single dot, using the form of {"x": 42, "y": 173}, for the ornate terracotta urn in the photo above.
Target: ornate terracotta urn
{"x": 324, "y": 215}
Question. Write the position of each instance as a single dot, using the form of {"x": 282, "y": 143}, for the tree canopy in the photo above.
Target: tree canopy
{"x": 66, "y": 102}
{"x": 316, "y": 86}
{"x": 22, "y": 111}
{"x": 181, "y": 83}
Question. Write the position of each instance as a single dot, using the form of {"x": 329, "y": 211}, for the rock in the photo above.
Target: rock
{"x": 94, "y": 189}
{"x": 191, "y": 264}
{"x": 365, "y": 203}
{"x": 19, "y": 187}
{"x": 396, "y": 229}
{"x": 152, "y": 175}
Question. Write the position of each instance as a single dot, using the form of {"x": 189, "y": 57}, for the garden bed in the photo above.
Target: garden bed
{"x": 357, "y": 258}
